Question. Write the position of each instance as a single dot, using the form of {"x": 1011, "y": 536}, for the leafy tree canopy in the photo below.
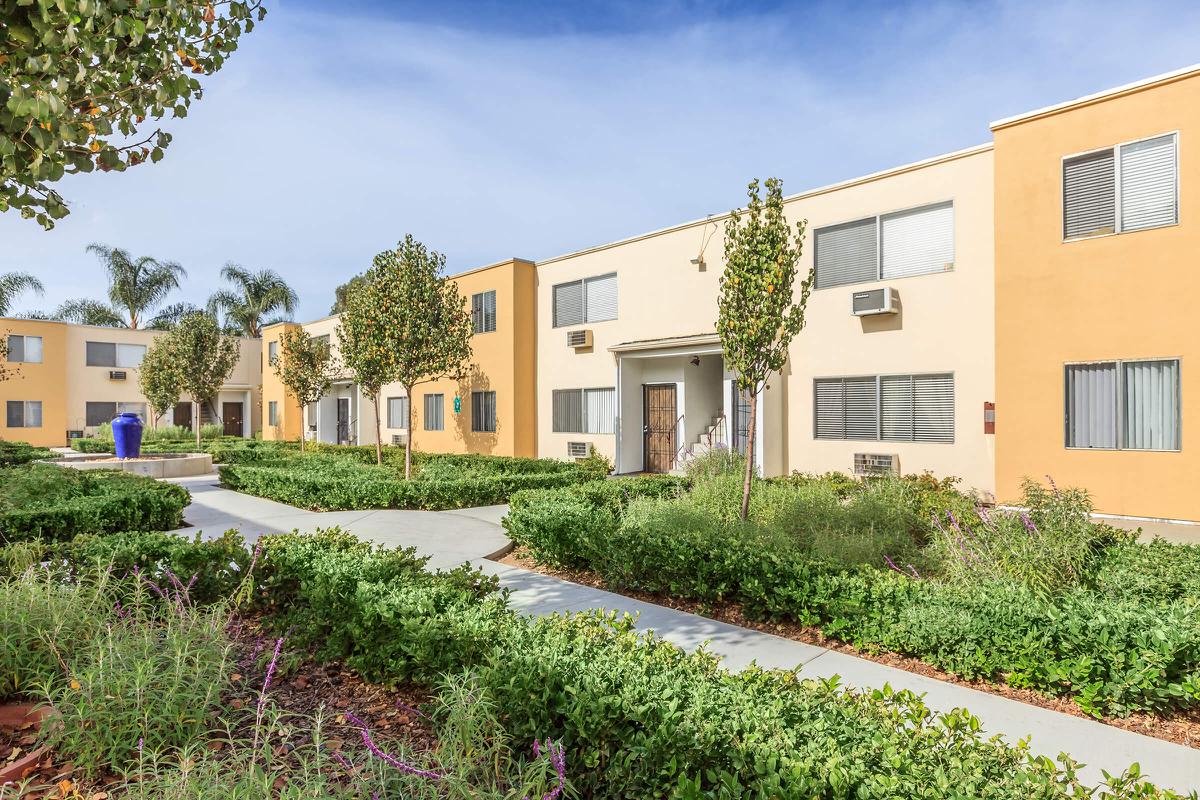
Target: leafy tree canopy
{"x": 202, "y": 356}
{"x": 160, "y": 377}
{"x": 341, "y": 292}
{"x": 79, "y": 79}
{"x": 305, "y": 366}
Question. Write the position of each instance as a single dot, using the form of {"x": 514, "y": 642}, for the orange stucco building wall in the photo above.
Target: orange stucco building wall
{"x": 1122, "y": 296}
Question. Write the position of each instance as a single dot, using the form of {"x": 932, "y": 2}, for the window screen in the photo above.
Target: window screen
{"x": 918, "y": 241}
{"x": 483, "y": 412}
{"x": 23, "y": 414}
{"x": 99, "y": 413}
{"x": 1089, "y": 195}
{"x": 1148, "y": 183}
{"x": 101, "y": 354}
{"x": 600, "y": 295}
{"x": 483, "y": 312}
{"x": 567, "y": 410}
{"x": 435, "y": 405}
{"x": 847, "y": 253}
{"x": 273, "y": 412}
{"x": 25, "y": 349}
{"x": 907, "y": 408}
{"x": 1150, "y": 405}
{"x": 568, "y": 304}
{"x": 397, "y": 412}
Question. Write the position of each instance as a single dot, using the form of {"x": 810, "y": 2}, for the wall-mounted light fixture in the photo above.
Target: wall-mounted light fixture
{"x": 695, "y": 362}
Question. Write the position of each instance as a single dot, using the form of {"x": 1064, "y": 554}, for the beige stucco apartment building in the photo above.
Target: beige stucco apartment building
{"x": 69, "y": 379}
{"x": 629, "y": 362}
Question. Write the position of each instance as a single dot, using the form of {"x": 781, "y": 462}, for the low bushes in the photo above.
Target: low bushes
{"x": 225, "y": 449}
{"x": 14, "y": 453}
{"x": 638, "y": 717}
{"x": 328, "y": 482}
{"x": 43, "y": 501}
{"x": 1046, "y": 601}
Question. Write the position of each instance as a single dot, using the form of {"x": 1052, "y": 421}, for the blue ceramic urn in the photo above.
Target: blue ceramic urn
{"x": 127, "y": 435}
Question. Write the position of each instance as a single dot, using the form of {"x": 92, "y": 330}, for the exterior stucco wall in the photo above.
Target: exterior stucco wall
{"x": 290, "y": 420}
{"x": 947, "y": 324}
{"x": 43, "y": 382}
{"x": 1125, "y": 296}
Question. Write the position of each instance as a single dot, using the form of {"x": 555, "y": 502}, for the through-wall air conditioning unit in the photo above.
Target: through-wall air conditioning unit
{"x": 399, "y": 439}
{"x": 116, "y": 375}
{"x": 74, "y": 434}
{"x": 874, "y": 301}
{"x": 578, "y": 339}
{"x": 876, "y": 464}
{"x": 577, "y": 450}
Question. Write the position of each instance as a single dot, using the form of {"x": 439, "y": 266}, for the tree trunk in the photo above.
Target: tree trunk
{"x": 196, "y": 421}
{"x": 303, "y": 426}
{"x": 378, "y": 444}
{"x": 749, "y": 455}
{"x": 408, "y": 436}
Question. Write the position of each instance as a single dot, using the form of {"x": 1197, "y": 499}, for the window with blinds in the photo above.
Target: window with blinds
{"x": 25, "y": 349}
{"x": 483, "y": 412}
{"x": 587, "y": 300}
{"x": 23, "y": 414}
{"x": 584, "y": 410}
{"x": 1129, "y": 187}
{"x": 483, "y": 312}
{"x": 901, "y": 408}
{"x": 397, "y": 412}
{"x": 273, "y": 412}
{"x": 916, "y": 241}
{"x": 1115, "y": 405}
{"x": 435, "y": 410}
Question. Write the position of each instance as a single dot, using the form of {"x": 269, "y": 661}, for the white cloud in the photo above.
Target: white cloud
{"x": 326, "y": 139}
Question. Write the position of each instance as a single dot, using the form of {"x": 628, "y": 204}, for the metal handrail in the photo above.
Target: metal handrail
{"x": 720, "y": 424}
{"x": 678, "y": 432}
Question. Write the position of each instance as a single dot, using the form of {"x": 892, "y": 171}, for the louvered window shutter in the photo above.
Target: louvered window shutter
{"x": 918, "y": 241}
{"x": 847, "y": 253}
{"x": 897, "y": 405}
{"x": 1148, "y": 184}
{"x": 933, "y": 408}
{"x": 862, "y": 408}
{"x": 568, "y": 304}
{"x": 830, "y": 399}
{"x": 601, "y": 296}
{"x": 1089, "y": 195}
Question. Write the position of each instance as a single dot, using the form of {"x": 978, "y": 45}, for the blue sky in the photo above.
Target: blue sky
{"x": 494, "y": 129}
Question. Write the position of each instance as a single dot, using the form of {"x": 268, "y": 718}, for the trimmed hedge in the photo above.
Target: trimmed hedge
{"x": 638, "y": 717}
{"x": 14, "y": 453}
{"x": 43, "y": 501}
{"x": 1113, "y": 651}
{"x": 333, "y": 483}
{"x": 226, "y": 450}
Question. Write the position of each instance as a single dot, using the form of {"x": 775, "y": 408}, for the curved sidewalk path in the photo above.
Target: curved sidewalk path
{"x": 474, "y": 534}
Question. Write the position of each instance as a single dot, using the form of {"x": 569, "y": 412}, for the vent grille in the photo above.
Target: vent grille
{"x": 399, "y": 438}
{"x": 873, "y": 301}
{"x": 876, "y": 464}
{"x": 579, "y": 338}
{"x": 577, "y": 449}
{"x": 116, "y": 375}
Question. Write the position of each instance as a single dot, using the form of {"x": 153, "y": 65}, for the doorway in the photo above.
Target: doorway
{"x": 658, "y": 428}
{"x": 343, "y": 420}
{"x": 231, "y": 415}
{"x": 182, "y": 416}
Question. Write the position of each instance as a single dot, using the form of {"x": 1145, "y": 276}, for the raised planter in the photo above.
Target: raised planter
{"x": 18, "y": 717}
{"x": 159, "y": 465}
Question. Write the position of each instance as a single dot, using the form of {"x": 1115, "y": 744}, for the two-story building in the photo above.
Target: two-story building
{"x": 70, "y": 379}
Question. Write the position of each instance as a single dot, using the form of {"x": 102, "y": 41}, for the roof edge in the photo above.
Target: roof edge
{"x": 1136, "y": 86}
{"x": 826, "y": 189}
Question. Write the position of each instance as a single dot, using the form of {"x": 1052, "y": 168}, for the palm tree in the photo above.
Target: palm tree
{"x": 254, "y": 296}
{"x": 136, "y": 285}
{"x": 12, "y": 284}
{"x": 90, "y": 312}
{"x": 168, "y": 316}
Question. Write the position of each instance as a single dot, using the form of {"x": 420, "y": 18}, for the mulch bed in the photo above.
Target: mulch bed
{"x": 301, "y": 687}
{"x": 1182, "y": 727}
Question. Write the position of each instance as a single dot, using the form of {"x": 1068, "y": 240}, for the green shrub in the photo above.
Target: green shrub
{"x": 49, "y": 502}
{"x": 14, "y": 453}
{"x": 326, "y": 482}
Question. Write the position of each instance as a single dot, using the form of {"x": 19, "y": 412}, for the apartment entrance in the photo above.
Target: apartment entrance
{"x": 232, "y": 416}
{"x": 182, "y": 416}
{"x": 343, "y": 420}
{"x": 658, "y": 428}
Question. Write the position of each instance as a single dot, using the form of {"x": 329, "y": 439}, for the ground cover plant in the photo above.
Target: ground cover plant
{"x": 52, "y": 502}
{"x": 615, "y": 714}
{"x": 1042, "y": 600}
{"x": 329, "y": 478}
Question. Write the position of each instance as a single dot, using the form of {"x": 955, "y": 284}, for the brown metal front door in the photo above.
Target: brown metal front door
{"x": 231, "y": 414}
{"x": 658, "y": 427}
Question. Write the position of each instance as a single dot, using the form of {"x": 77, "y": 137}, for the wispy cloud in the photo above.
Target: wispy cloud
{"x": 489, "y": 134}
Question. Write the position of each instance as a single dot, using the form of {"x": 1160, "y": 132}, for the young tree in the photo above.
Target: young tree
{"x": 758, "y": 313}
{"x": 407, "y": 323}
{"x": 160, "y": 378}
{"x": 306, "y": 368}
{"x": 78, "y": 80}
{"x": 204, "y": 358}
{"x": 254, "y": 296}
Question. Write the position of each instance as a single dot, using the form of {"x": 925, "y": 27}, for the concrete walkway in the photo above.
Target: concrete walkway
{"x": 452, "y": 537}
{"x": 448, "y": 537}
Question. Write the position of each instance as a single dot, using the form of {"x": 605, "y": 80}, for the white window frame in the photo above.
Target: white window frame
{"x": 879, "y": 248}
{"x": 402, "y": 424}
{"x": 477, "y": 329}
{"x": 272, "y": 352}
{"x": 25, "y": 349}
{"x": 25, "y": 405}
{"x": 1120, "y": 363}
{"x": 879, "y": 404}
{"x": 1117, "y": 216}
{"x": 583, "y": 300}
